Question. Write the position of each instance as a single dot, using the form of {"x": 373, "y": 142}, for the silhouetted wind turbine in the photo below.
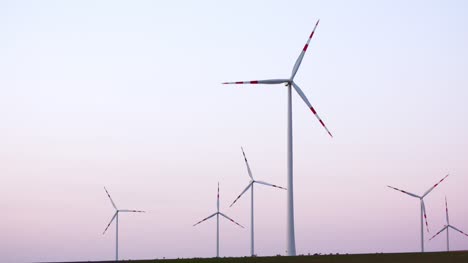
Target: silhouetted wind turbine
{"x": 116, "y": 217}
{"x": 423, "y": 207}
{"x": 291, "y": 243}
{"x": 251, "y": 186}
{"x": 447, "y": 226}
{"x": 217, "y": 214}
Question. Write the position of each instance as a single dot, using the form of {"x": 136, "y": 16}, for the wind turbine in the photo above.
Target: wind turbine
{"x": 251, "y": 186}
{"x": 447, "y": 226}
{"x": 217, "y": 214}
{"x": 116, "y": 217}
{"x": 423, "y": 207}
{"x": 291, "y": 243}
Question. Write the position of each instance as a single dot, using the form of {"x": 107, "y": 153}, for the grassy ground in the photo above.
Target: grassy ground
{"x": 432, "y": 257}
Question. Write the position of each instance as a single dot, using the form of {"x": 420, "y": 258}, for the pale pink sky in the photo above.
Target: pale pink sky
{"x": 128, "y": 96}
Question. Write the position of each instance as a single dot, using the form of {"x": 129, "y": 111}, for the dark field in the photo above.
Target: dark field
{"x": 431, "y": 257}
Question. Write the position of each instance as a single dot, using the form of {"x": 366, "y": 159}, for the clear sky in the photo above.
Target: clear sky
{"x": 128, "y": 95}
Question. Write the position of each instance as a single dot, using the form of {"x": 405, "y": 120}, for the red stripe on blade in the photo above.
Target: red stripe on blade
{"x": 254, "y": 82}
{"x": 313, "y": 111}
{"x": 305, "y": 47}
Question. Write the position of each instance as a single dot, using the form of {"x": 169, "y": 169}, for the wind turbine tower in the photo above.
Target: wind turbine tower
{"x": 116, "y": 217}
{"x": 290, "y": 84}
{"x": 251, "y": 186}
{"x": 217, "y": 214}
{"x": 447, "y": 227}
{"x": 423, "y": 207}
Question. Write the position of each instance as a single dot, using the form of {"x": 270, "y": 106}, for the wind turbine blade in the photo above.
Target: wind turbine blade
{"x": 132, "y": 211}
{"x": 272, "y": 185}
{"x": 304, "y": 98}
{"x": 206, "y": 218}
{"x": 445, "y": 227}
{"x": 408, "y": 193}
{"x": 456, "y": 229}
{"x": 110, "y": 222}
{"x": 301, "y": 56}
{"x": 425, "y": 216}
{"x": 265, "y": 81}
{"x": 230, "y": 219}
{"x": 245, "y": 190}
{"x": 217, "y": 204}
{"x": 247, "y": 164}
{"x": 434, "y": 186}
{"x": 110, "y": 198}
{"x": 446, "y": 211}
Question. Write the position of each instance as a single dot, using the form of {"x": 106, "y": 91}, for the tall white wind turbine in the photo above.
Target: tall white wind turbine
{"x": 217, "y": 214}
{"x": 447, "y": 226}
{"x": 251, "y": 186}
{"x": 116, "y": 217}
{"x": 291, "y": 243}
{"x": 423, "y": 208}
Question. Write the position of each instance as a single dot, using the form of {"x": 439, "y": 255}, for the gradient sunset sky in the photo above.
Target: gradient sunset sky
{"x": 128, "y": 95}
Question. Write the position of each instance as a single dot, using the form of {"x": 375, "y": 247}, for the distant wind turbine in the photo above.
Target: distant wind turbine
{"x": 217, "y": 214}
{"x": 446, "y": 227}
{"x": 423, "y": 207}
{"x": 116, "y": 217}
{"x": 251, "y": 186}
{"x": 291, "y": 243}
